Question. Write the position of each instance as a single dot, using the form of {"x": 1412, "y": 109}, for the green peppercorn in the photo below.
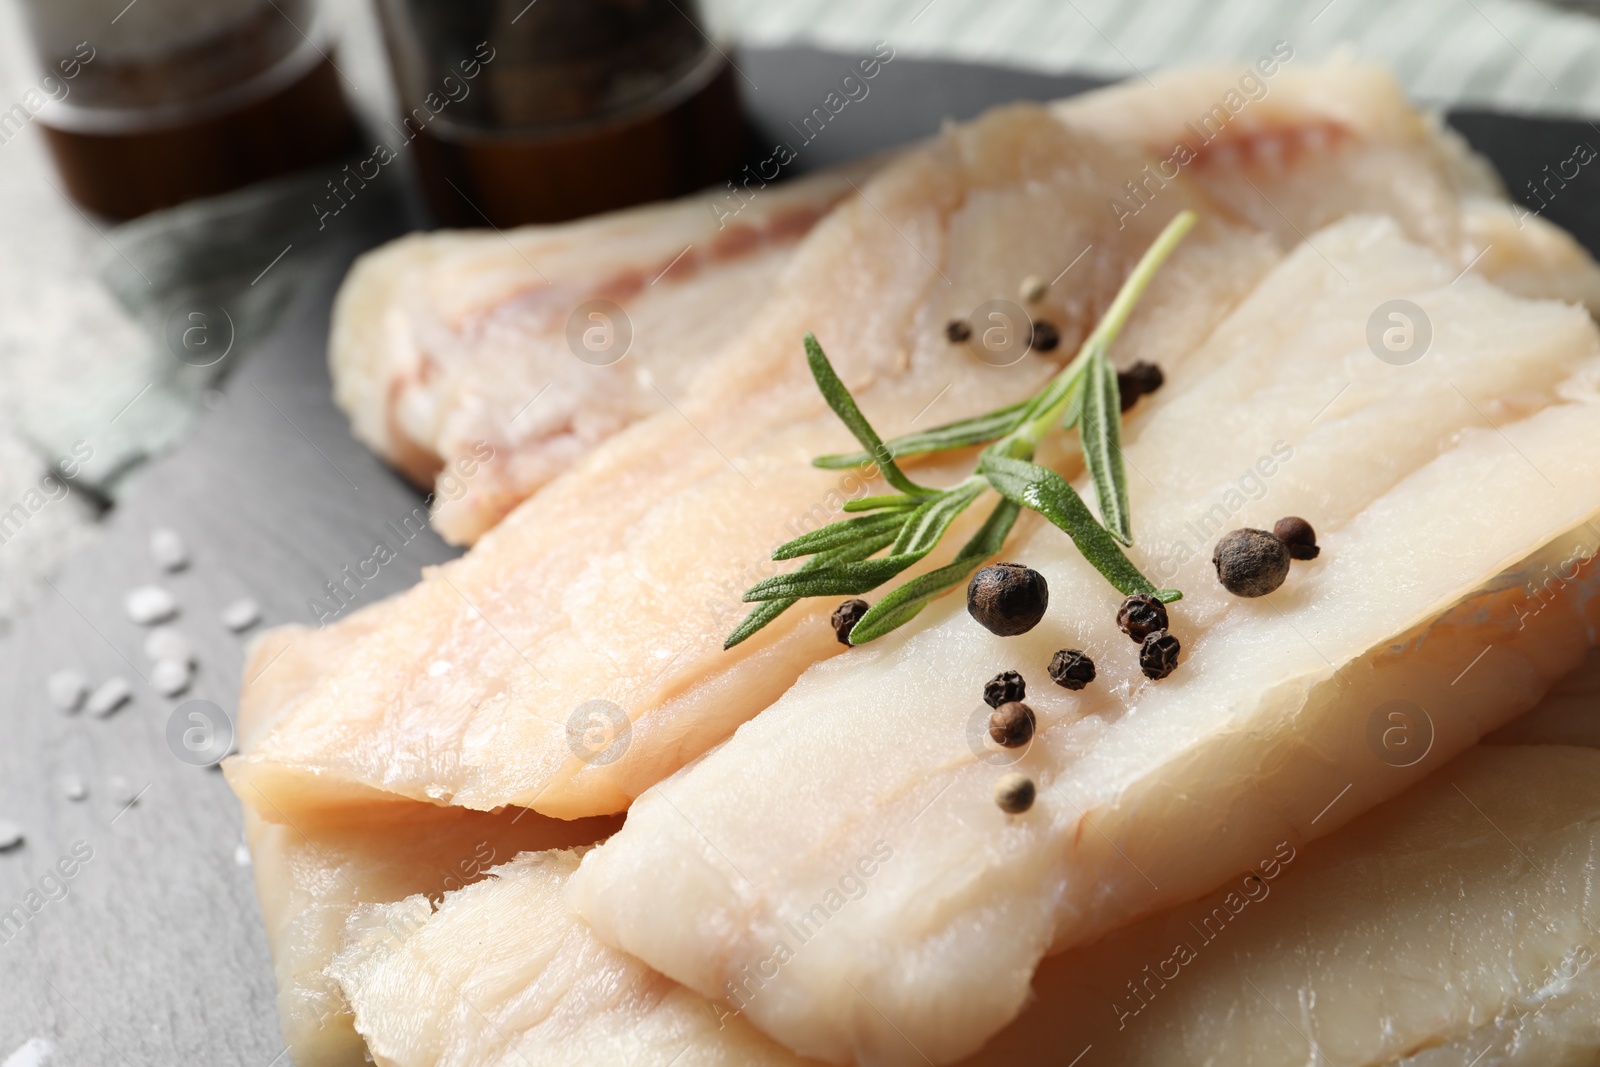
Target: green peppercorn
{"x": 1015, "y": 792}
{"x": 845, "y": 617}
{"x": 1158, "y": 655}
{"x": 1141, "y": 614}
{"x": 1071, "y": 669}
{"x": 1011, "y": 725}
{"x": 1004, "y": 688}
{"x": 1251, "y": 563}
{"x": 1007, "y": 598}
{"x": 1298, "y": 535}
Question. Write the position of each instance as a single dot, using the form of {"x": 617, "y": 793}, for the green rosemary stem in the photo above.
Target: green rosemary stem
{"x": 1052, "y": 401}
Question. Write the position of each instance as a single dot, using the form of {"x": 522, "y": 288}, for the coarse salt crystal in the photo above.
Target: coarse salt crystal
{"x": 167, "y": 642}
{"x": 170, "y": 676}
{"x": 10, "y": 835}
{"x": 67, "y": 688}
{"x": 72, "y": 787}
{"x": 122, "y": 791}
{"x": 109, "y": 696}
{"x": 241, "y": 614}
{"x": 150, "y": 604}
{"x": 168, "y": 550}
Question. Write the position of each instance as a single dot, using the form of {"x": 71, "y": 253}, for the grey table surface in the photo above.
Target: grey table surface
{"x": 153, "y": 952}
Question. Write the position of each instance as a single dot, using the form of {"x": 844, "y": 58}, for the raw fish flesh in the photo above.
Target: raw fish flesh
{"x": 1476, "y": 882}
{"x": 450, "y": 347}
{"x": 1455, "y": 499}
{"x": 308, "y": 886}
{"x": 617, "y": 582}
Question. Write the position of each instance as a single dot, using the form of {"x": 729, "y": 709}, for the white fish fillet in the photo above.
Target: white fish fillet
{"x": 450, "y": 346}
{"x": 504, "y": 974}
{"x": 618, "y": 581}
{"x": 1481, "y": 952}
{"x": 1439, "y": 490}
{"x": 309, "y": 883}
{"x": 1454, "y": 926}
{"x": 310, "y": 875}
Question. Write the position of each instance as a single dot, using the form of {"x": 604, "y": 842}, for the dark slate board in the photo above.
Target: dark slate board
{"x": 156, "y": 955}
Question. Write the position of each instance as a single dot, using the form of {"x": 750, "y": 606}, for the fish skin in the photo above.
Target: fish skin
{"x": 449, "y": 346}
{"x": 1151, "y": 793}
{"x": 569, "y": 600}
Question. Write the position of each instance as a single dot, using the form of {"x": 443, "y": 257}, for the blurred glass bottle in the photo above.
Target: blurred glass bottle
{"x": 154, "y": 102}
{"x": 540, "y": 111}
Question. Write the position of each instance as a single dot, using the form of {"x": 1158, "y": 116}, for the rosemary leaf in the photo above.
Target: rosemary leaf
{"x": 1052, "y": 496}
{"x": 980, "y": 429}
{"x": 841, "y": 534}
{"x": 902, "y": 604}
{"x": 1101, "y": 436}
{"x": 887, "y": 500}
{"x": 924, "y": 526}
{"x": 844, "y": 406}
{"x": 768, "y": 610}
{"x": 831, "y": 579}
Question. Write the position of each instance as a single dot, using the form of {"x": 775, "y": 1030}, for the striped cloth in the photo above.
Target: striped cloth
{"x": 1510, "y": 55}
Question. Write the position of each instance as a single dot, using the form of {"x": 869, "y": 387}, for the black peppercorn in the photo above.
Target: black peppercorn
{"x": 1141, "y": 614}
{"x": 1045, "y": 337}
{"x": 1007, "y": 598}
{"x": 1071, "y": 669}
{"x": 956, "y": 331}
{"x": 1251, "y": 563}
{"x": 1015, "y": 792}
{"x": 1298, "y": 535}
{"x": 1004, "y": 688}
{"x": 1011, "y": 725}
{"x": 1137, "y": 381}
{"x": 1158, "y": 656}
{"x": 845, "y": 617}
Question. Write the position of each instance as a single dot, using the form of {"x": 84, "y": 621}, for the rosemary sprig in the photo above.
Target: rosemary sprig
{"x": 911, "y": 522}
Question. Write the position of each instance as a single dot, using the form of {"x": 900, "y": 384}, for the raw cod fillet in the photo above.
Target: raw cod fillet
{"x": 1454, "y": 926}
{"x": 503, "y": 973}
{"x": 449, "y": 346}
{"x": 441, "y": 341}
{"x": 1428, "y": 875}
{"x": 1444, "y": 493}
{"x": 617, "y": 581}
{"x": 308, "y": 884}
{"x": 312, "y": 874}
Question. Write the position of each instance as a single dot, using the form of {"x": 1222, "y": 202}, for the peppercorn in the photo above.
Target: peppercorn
{"x": 1137, "y": 381}
{"x": 956, "y": 331}
{"x": 1011, "y": 725}
{"x": 1251, "y": 563}
{"x": 1032, "y": 289}
{"x": 1298, "y": 535}
{"x": 1007, "y": 598}
{"x": 1004, "y": 688}
{"x": 1158, "y": 655}
{"x": 1045, "y": 336}
{"x": 1014, "y": 792}
{"x": 1071, "y": 669}
{"x": 1141, "y": 614}
{"x": 845, "y": 617}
